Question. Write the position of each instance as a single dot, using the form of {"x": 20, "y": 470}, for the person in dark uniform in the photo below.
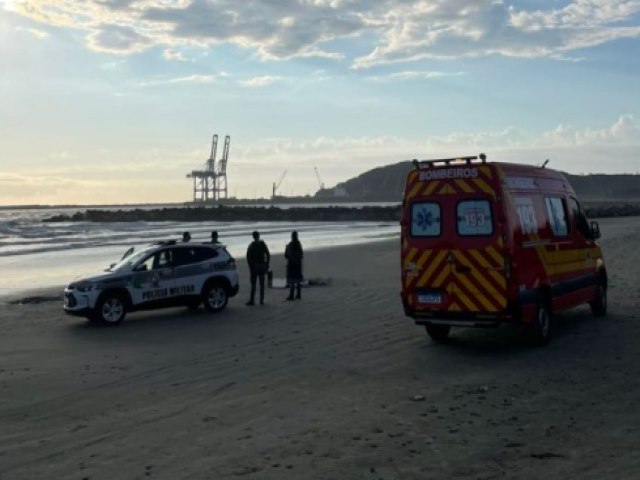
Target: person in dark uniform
{"x": 258, "y": 259}
{"x": 214, "y": 237}
{"x": 186, "y": 236}
{"x": 293, "y": 253}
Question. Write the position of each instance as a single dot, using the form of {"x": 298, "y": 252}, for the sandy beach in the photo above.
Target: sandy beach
{"x": 340, "y": 385}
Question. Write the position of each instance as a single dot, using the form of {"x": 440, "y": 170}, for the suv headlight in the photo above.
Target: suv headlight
{"x": 85, "y": 287}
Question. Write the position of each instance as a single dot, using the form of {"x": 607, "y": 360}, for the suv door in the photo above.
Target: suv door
{"x": 153, "y": 277}
{"x": 193, "y": 268}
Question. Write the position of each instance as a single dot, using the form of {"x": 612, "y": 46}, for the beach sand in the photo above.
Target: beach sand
{"x": 340, "y": 385}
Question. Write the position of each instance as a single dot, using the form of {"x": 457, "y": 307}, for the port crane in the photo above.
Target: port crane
{"x": 276, "y": 185}
{"x": 320, "y": 184}
{"x": 210, "y": 182}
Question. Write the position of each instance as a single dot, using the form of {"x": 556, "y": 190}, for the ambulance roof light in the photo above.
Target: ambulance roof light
{"x": 447, "y": 161}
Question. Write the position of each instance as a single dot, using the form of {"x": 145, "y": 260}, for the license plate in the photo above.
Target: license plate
{"x": 430, "y": 298}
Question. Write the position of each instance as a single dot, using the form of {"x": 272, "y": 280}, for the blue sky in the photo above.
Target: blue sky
{"x": 114, "y": 101}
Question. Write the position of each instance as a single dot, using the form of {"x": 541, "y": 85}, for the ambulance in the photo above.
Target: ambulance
{"x": 486, "y": 243}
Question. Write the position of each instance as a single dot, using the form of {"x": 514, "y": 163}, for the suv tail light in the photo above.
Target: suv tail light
{"x": 231, "y": 263}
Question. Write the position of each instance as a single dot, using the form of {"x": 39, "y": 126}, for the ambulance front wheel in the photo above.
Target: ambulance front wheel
{"x": 438, "y": 333}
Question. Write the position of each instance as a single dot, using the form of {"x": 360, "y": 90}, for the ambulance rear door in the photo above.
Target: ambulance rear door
{"x": 478, "y": 281}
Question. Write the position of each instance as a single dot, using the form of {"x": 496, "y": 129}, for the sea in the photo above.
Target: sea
{"x": 38, "y": 255}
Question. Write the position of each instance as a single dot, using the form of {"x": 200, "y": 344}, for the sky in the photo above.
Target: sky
{"x": 115, "y": 101}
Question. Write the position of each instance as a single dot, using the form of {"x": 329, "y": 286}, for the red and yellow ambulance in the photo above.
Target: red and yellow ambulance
{"x": 486, "y": 243}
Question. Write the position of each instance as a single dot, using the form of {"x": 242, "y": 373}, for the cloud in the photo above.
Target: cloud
{"x": 459, "y": 28}
{"x": 117, "y": 39}
{"x": 158, "y": 174}
{"x": 64, "y": 155}
{"x": 187, "y": 80}
{"x": 362, "y": 151}
{"x": 171, "y": 54}
{"x": 414, "y": 75}
{"x": 394, "y": 30}
{"x": 40, "y": 34}
{"x": 262, "y": 81}
{"x": 625, "y": 131}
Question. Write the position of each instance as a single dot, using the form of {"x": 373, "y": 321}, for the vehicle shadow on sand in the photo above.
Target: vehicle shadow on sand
{"x": 170, "y": 323}
{"x": 511, "y": 340}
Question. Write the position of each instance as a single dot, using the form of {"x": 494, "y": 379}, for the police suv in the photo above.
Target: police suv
{"x": 165, "y": 274}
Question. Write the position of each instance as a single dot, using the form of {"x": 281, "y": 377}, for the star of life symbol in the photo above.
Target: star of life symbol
{"x": 425, "y": 219}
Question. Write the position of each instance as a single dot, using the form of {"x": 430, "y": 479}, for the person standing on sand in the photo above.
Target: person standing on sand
{"x": 258, "y": 258}
{"x": 293, "y": 253}
{"x": 214, "y": 237}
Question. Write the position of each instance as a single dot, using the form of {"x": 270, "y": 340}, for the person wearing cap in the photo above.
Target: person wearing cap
{"x": 258, "y": 258}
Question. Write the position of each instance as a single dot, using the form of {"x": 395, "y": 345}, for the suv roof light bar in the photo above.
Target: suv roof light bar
{"x": 447, "y": 161}
{"x": 164, "y": 242}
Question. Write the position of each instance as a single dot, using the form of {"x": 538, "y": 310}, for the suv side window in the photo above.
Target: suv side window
{"x": 188, "y": 256}
{"x": 425, "y": 219}
{"x": 204, "y": 253}
{"x": 557, "y": 214}
{"x": 161, "y": 259}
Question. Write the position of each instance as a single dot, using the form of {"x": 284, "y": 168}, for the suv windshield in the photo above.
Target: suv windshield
{"x": 127, "y": 263}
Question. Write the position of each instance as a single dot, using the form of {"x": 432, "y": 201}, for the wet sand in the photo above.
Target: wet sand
{"x": 340, "y": 385}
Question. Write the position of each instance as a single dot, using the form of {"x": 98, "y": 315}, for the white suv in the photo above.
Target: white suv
{"x": 166, "y": 274}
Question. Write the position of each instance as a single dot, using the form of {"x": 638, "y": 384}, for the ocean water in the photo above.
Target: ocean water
{"x": 34, "y": 254}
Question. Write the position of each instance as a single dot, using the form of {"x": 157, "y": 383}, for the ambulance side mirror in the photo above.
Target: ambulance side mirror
{"x": 595, "y": 230}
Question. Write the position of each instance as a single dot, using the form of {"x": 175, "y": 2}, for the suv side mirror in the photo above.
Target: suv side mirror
{"x": 595, "y": 230}
{"x": 141, "y": 268}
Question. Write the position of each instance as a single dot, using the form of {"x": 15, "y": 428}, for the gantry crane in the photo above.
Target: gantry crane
{"x": 210, "y": 182}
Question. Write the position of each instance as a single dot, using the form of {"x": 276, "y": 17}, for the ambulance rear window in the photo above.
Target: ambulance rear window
{"x": 425, "y": 219}
{"x": 474, "y": 218}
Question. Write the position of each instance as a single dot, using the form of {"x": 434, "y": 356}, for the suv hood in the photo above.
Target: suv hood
{"x": 98, "y": 277}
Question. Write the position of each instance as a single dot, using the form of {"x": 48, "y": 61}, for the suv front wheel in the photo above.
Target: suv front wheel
{"x": 215, "y": 297}
{"x": 110, "y": 309}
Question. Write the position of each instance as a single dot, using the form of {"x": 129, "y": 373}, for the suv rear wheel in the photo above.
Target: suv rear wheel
{"x": 215, "y": 297}
{"x": 110, "y": 309}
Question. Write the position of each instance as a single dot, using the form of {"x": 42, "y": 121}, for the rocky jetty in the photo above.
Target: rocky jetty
{"x": 229, "y": 214}
{"x": 275, "y": 214}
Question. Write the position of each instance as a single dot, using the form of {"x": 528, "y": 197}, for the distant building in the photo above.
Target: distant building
{"x": 340, "y": 192}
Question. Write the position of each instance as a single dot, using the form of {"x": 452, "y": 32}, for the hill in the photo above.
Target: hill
{"x": 386, "y": 184}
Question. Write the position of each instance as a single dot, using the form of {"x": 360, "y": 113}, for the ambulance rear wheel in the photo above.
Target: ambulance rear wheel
{"x": 438, "y": 333}
{"x": 539, "y": 330}
{"x": 599, "y": 304}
